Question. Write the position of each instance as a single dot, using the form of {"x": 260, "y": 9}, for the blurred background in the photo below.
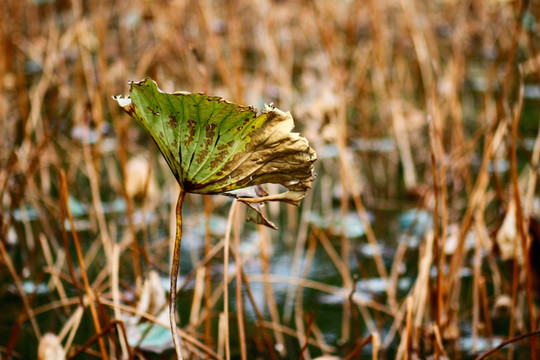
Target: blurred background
{"x": 419, "y": 239}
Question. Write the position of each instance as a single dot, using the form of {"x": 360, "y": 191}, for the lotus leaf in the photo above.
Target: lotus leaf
{"x": 214, "y": 146}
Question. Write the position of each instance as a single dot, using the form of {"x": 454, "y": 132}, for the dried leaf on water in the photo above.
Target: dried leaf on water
{"x": 50, "y": 348}
{"x": 142, "y": 333}
{"x": 507, "y": 238}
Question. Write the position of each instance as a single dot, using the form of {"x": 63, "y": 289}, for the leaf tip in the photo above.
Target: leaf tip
{"x": 125, "y": 103}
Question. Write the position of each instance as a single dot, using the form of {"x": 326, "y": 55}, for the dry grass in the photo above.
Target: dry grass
{"x": 422, "y": 100}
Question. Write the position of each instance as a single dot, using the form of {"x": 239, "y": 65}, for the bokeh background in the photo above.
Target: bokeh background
{"x": 419, "y": 239}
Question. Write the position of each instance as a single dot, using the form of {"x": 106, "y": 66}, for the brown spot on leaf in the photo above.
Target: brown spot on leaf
{"x": 174, "y": 143}
{"x": 219, "y": 159}
{"x": 210, "y": 130}
{"x": 172, "y": 122}
{"x": 191, "y": 128}
{"x": 224, "y": 146}
{"x": 210, "y": 133}
{"x": 202, "y": 155}
{"x": 155, "y": 113}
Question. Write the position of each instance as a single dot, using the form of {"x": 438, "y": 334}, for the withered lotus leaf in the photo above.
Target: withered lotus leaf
{"x": 214, "y": 146}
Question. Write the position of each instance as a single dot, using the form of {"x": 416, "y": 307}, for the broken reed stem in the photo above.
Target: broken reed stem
{"x": 442, "y": 202}
{"x": 239, "y": 297}
{"x": 66, "y": 247}
{"x": 308, "y": 333}
{"x": 300, "y": 331}
{"x": 437, "y": 252}
{"x": 477, "y": 267}
{"x": 110, "y": 326}
{"x": 344, "y": 262}
{"x": 485, "y": 309}
{"x": 354, "y": 310}
{"x": 359, "y": 347}
{"x": 123, "y": 144}
{"x": 80, "y": 259}
{"x": 515, "y": 283}
{"x": 439, "y": 342}
{"x": 408, "y": 338}
{"x": 175, "y": 266}
{"x": 520, "y": 219}
{"x": 318, "y": 337}
{"x": 144, "y": 229}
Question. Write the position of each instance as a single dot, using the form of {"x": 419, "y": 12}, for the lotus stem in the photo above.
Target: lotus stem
{"x": 174, "y": 273}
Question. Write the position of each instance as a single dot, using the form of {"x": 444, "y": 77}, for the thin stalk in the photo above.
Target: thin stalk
{"x": 359, "y": 347}
{"x": 300, "y": 330}
{"x": 226, "y": 281}
{"x": 308, "y": 333}
{"x": 407, "y": 336}
{"x": 269, "y": 292}
{"x": 239, "y": 304}
{"x": 342, "y": 264}
{"x": 477, "y": 268}
{"x": 207, "y": 273}
{"x": 268, "y": 342}
{"x": 485, "y": 308}
{"x": 509, "y": 341}
{"x": 437, "y": 252}
{"x": 513, "y": 308}
{"x": 442, "y": 203}
{"x": 88, "y": 289}
{"x": 123, "y": 144}
{"x": 174, "y": 273}
{"x": 115, "y": 323}
{"x": 520, "y": 217}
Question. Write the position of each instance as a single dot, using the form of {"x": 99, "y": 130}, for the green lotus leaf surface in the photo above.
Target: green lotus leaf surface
{"x": 214, "y": 146}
